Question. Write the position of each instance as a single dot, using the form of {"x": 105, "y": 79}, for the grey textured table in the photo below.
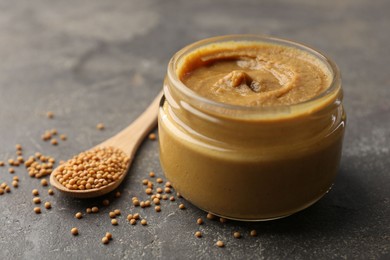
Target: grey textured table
{"x": 103, "y": 61}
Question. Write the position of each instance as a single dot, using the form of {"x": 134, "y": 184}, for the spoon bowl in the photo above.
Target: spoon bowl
{"x": 128, "y": 141}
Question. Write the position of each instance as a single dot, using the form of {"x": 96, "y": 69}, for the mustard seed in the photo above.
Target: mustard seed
{"x": 114, "y": 221}
{"x": 159, "y": 190}
{"x": 181, "y": 206}
{"x": 44, "y": 182}
{"x": 156, "y": 201}
{"x": 78, "y": 215}
{"x": 117, "y": 212}
{"x": 50, "y": 114}
{"x": 199, "y": 221}
{"x": 1, "y": 191}
{"x": 15, "y": 184}
{"x": 50, "y": 191}
{"x": 100, "y": 126}
{"x": 165, "y": 197}
{"x": 147, "y": 203}
{"x": 89, "y": 210}
{"x": 168, "y": 184}
{"x": 157, "y": 208}
{"x": 47, "y": 205}
{"x": 220, "y": 243}
{"x": 2, "y": 163}
{"x": 159, "y": 180}
{"x": 158, "y": 196}
{"x": 7, "y": 189}
{"x": 152, "y": 174}
{"x": 149, "y": 191}
{"x": 54, "y": 141}
{"x": 11, "y": 170}
{"x": 18, "y": 147}
{"x": 74, "y": 231}
{"x": 237, "y": 234}
{"x": 136, "y": 216}
{"x": 37, "y": 210}
{"x": 144, "y": 222}
{"x": 117, "y": 194}
{"x": 142, "y": 204}
{"x": 19, "y": 152}
{"x": 198, "y": 234}
{"x": 95, "y": 209}
{"x": 20, "y": 159}
{"x": 133, "y": 221}
{"x": 15, "y": 178}
{"x": 145, "y": 182}
{"x": 3, "y": 185}
{"x": 150, "y": 185}
{"x": 105, "y": 240}
{"x": 210, "y": 216}
{"x": 253, "y": 233}
{"x": 63, "y": 137}
{"x": 167, "y": 190}
{"x": 178, "y": 195}
{"x": 136, "y": 203}
{"x": 152, "y": 136}
{"x": 222, "y": 220}
{"x": 106, "y": 202}
{"x": 108, "y": 235}
{"x": 35, "y": 192}
{"x": 112, "y": 214}
{"x": 129, "y": 217}
{"x": 36, "y": 200}
{"x": 172, "y": 198}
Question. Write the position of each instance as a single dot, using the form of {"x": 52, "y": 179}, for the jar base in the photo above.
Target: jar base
{"x": 272, "y": 218}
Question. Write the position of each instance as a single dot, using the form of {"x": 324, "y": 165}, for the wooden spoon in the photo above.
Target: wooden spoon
{"x": 128, "y": 140}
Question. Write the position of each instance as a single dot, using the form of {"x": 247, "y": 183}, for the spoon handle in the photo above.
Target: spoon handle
{"x": 129, "y": 139}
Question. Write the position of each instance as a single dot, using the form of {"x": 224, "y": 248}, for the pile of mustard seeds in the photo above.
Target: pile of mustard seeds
{"x": 93, "y": 169}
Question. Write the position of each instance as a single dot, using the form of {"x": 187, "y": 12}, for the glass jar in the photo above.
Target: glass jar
{"x": 250, "y": 163}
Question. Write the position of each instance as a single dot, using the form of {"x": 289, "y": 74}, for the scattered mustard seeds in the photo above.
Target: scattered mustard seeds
{"x": 93, "y": 169}
{"x": 105, "y": 240}
{"x": 44, "y": 182}
{"x": 100, "y": 126}
{"x": 210, "y": 216}
{"x": 74, "y": 231}
{"x": 47, "y": 205}
{"x": 50, "y": 114}
{"x": 152, "y": 136}
{"x": 220, "y": 243}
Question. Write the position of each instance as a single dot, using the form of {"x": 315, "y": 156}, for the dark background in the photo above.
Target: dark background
{"x": 104, "y": 61}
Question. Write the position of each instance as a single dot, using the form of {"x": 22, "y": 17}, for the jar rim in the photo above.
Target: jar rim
{"x": 333, "y": 87}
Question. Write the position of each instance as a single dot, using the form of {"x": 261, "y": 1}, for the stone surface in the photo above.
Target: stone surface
{"x": 103, "y": 61}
